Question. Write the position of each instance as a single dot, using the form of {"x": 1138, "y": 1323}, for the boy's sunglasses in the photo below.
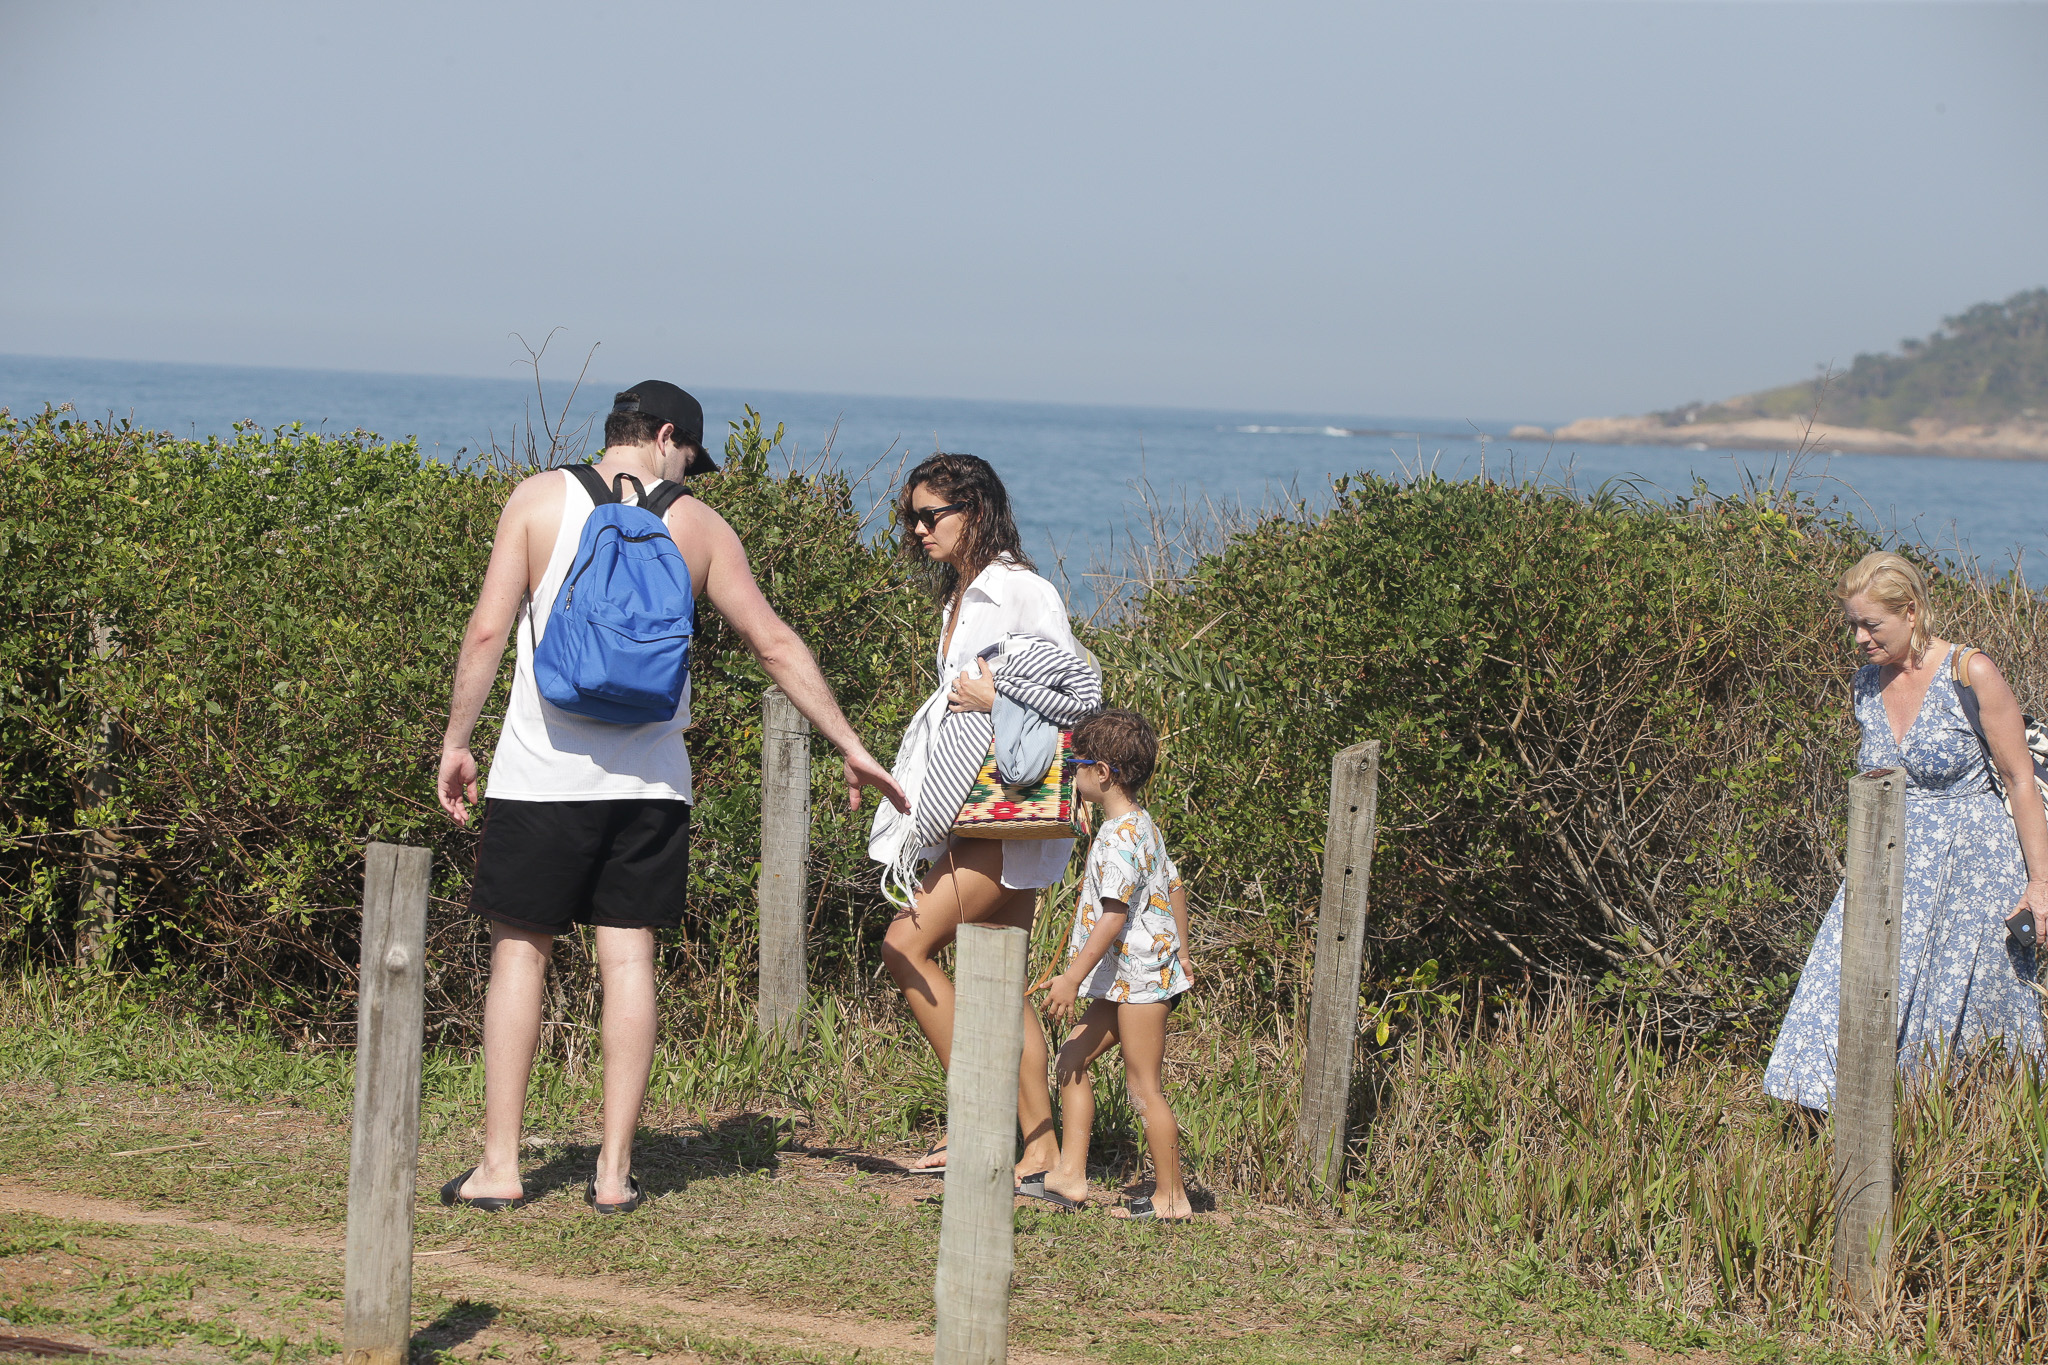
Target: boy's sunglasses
{"x": 1102, "y": 763}
{"x": 928, "y": 517}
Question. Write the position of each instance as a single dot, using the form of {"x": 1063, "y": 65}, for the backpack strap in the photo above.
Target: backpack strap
{"x": 1959, "y": 667}
{"x": 666, "y": 494}
{"x": 593, "y": 483}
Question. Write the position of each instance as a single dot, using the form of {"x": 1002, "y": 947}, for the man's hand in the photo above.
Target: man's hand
{"x": 863, "y": 771}
{"x": 974, "y": 690}
{"x": 457, "y": 783}
{"x": 1062, "y": 995}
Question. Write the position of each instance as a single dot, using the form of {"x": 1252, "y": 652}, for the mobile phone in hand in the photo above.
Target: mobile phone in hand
{"x": 2019, "y": 927}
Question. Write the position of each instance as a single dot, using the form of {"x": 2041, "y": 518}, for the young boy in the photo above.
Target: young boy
{"x": 1128, "y": 959}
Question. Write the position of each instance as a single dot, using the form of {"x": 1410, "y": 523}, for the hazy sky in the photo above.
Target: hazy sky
{"x": 1519, "y": 210}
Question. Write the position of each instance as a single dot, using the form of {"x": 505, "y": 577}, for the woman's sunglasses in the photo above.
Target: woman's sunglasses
{"x": 928, "y": 517}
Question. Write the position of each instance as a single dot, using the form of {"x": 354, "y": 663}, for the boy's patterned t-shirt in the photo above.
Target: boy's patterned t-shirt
{"x": 1127, "y": 862}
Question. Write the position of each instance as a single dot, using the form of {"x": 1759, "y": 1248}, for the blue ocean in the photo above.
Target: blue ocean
{"x": 1087, "y": 481}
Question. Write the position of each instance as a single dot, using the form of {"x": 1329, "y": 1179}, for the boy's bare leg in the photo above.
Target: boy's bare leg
{"x": 965, "y": 887}
{"x": 512, "y": 1005}
{"x": 1093, "y": 1036}
{"x": 625, "y": 964}
{"x": 1143, "y": 1029}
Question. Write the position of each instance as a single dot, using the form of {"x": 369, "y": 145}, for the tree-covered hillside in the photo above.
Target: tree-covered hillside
{"x": 1984, "y": 366}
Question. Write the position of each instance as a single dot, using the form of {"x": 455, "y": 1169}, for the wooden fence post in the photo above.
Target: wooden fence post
{"x": 785, "y": 848}
{"x": 1324, "y": 1122}
{"x": 1867, "y": 1050}
{"x": 976, "y": 1224}
{"x": 384, "y": 1137}
{"x": 99, "y": 888}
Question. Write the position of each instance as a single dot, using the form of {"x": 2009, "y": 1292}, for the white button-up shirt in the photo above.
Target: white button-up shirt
{"x": 1008, "y": 599}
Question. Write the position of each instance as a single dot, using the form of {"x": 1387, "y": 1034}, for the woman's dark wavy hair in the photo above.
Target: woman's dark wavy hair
{"x": 991, "y": 530}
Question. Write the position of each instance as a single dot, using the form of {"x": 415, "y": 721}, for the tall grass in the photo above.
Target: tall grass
{"x": 1565, "y": 1137}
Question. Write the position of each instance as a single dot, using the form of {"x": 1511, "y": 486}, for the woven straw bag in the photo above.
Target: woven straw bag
{"x": 1045, "y": 809}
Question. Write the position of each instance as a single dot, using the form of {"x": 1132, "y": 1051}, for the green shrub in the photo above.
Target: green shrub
{"x": 286, "y": 609}
{"x": 1613, "y": 733}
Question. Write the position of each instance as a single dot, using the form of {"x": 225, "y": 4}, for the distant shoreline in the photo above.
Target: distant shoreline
{"x": 2010, "y": 441}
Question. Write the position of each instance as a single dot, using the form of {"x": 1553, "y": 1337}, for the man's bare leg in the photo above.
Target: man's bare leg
{"x": 625, "y": 964}
{"x": 512, "y": 1008}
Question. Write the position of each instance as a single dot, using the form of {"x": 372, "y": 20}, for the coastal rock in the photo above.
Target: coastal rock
{"x": 1526, "y": 432}
{"x": 2006, "y": 441}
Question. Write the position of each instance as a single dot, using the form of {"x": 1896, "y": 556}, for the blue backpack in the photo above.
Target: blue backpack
{"x": 617, "y": 644}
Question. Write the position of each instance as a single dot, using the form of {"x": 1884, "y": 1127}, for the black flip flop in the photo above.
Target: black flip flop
{"x": 1141, "y": 1211}
{"x": 936, "y": 1149}
{"x": 626, "y": 1205}
{"x": 1033, "y": 1187}
{"x": 452, "y": 1196}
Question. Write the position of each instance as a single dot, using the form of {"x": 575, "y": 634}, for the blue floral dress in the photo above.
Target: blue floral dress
{"x": 1960, "y": 979}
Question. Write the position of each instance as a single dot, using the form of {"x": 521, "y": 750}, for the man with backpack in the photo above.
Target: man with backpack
{"x": 587, "y": 816}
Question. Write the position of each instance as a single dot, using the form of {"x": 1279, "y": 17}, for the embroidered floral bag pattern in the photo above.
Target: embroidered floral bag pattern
{"x": 1044, "y": 809}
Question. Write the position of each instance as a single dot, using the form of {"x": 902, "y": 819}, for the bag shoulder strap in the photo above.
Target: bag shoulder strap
{"x": 1959, "y": 671}
{"x": 593, "y": 483}
{"x": 666, "y": 494}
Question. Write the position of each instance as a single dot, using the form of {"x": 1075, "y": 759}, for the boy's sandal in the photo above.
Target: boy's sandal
{"x": 936, "y": 1149}
{"x": 453, "y": 1197}
{"x": 626, "y": 1205}
{"x": 1033, "y": 1187}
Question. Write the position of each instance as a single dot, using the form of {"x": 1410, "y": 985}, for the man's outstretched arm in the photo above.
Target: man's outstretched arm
{"x": 483, "y": 653}
{"x": 731, "y": 587}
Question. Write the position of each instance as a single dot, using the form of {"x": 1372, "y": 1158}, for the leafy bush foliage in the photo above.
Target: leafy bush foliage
{"x": 285, "y": 611}
{"x": 1614, "y": 731}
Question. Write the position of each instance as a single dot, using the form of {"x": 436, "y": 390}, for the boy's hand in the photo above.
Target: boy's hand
{"x": 1061, "y": 996}
{"x": 1187, "y": 967}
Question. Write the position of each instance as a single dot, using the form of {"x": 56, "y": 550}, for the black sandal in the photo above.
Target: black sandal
{"x": 453, "y": 1197}
{"x": 626, "y": 1205}
{"x": 1033, "y": 1187}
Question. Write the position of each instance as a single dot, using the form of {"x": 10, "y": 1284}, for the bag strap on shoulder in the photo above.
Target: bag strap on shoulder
{"x": 665, "y": 495}
{"x": 1959, "y": 667}
{"x": 593, "y": 483}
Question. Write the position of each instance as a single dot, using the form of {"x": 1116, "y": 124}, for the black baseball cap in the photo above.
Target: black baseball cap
{"x": 661, "y": 399}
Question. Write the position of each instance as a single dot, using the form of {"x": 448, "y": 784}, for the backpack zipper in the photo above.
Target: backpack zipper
{"x": 583, "y": 568}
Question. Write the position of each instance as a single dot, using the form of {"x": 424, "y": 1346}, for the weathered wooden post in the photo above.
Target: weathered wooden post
{"x": 976, "y": 1225}
{"x": 1324, "y": 1123}
{"x": 384, "y": 1138}
{"x": 99, "y": 888}
{"x": 785, "y": 847}
{"x": 1867, "y": 1049}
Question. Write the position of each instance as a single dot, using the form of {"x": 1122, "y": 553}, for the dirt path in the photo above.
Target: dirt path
{"x": 457, "y": 1273}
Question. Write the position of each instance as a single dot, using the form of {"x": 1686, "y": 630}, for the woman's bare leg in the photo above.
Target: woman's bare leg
{"x": 1093, "y": 1036}
{"x": 966, "y": 887}
{"x": 1143, "y": 1031}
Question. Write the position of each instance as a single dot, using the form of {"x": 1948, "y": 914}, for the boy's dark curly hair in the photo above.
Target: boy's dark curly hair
{"x": 991, "y": 530}
{"x": 1125, "y": 741}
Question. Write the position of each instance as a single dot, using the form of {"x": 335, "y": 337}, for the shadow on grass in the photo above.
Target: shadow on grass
{"x": 461, "y": 1321}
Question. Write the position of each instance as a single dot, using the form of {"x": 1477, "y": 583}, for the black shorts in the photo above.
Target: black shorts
{"x": 544, "y": 866}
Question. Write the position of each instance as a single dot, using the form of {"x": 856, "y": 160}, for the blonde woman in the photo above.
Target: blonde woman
{"x": 1968, "y": 864}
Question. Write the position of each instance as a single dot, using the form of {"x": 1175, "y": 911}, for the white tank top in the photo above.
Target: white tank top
{"x": 548, "y": 754}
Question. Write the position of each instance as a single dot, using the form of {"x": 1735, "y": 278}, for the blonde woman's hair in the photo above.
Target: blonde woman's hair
{"x": 1894, "y": 581}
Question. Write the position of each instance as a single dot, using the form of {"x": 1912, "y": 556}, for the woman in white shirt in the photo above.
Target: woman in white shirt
{"x": 957, "y": 524}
